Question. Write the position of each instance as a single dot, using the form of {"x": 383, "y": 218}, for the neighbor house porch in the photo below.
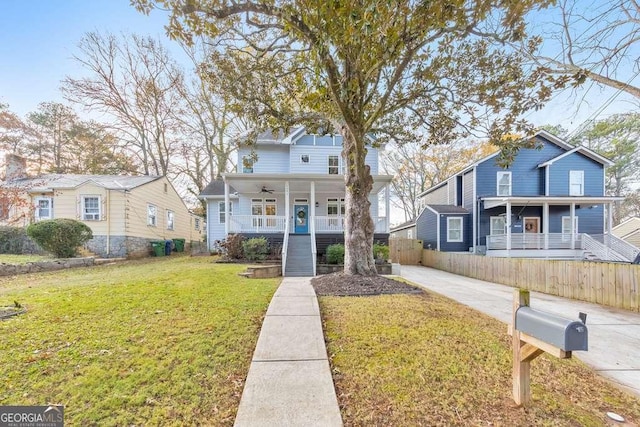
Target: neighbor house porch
{"x": 550, "y": 227}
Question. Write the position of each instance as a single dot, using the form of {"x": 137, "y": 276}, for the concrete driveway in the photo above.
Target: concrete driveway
{"x": 614, "y": 334}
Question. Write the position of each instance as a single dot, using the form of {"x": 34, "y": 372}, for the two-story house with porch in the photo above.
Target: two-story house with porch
{"x": 550, "y": 202}
{"x": 290, "y": 189}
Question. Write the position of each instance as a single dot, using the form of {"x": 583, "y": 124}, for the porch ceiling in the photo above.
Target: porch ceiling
{"x": 253, "y": 183}
{"x": 492, "y": 202}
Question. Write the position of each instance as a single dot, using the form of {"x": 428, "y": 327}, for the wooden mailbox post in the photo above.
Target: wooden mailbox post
{"x": 527, "y": 347}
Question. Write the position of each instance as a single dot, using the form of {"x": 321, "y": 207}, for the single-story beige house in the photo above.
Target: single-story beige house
{"x": 628, "y": 230}
{"x": 125, "y": 213}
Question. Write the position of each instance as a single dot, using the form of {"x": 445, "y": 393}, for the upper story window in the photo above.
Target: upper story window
{"x": 44, "y": 208}
{"x": 152, "y": 215}
{"x": 170, "y": 217}
{"x": 222, "y": 213}
{"x": 247, "y": 164}
{"x": 454, "y": 229}
{"x": 304, "y": 159}
{"x": 91, "y": 208}
{"x": 504, "y": 184}
{"x": 576, "y": 183}
{"x": 196, "y": 224}
{"x": 334, "y": 165}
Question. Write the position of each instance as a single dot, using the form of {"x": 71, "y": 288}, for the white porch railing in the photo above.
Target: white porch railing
{"x": 335, "y": 224}
{"x": 601, "y": 251}
{"x": 534, "y": 241}
{"x": 624, "y": 248}
{"x": 278, "y": 224}
{"x": 257, "y": 224}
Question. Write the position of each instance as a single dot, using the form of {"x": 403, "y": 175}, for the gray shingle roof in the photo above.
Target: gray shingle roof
{"x": 55, "y": 181}
{"x": 215, "y": 188}
{"x": 449, "y": 209}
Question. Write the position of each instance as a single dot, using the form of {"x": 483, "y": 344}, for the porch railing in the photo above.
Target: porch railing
{"x": 257, "y": 224}
{"x": 624, "y": 248}
{"x": 534, "y": 241}
{"x": 600, "y": 250}
{"x": 278, "y": 224}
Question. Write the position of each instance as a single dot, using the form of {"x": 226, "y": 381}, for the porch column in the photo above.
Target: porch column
{"x": 545, "y": 224}
{"x": 572, "y": 219}
{"x": 286, "y": 207}
{"x": 387, "y": 208}
{"x": 227, "y": 216}
{"x": 609, "y": 225}
{"x": 508, "y": 222}
{"x": 312, "y": 208}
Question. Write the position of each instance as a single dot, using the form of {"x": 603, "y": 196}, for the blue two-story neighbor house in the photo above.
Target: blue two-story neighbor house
{"x": 550, "y": 202}
{"x": 293, "y": 193}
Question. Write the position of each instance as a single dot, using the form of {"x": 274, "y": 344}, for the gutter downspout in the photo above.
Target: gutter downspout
{"x": 476, "y": 212}
{"x": 108, "y": 209}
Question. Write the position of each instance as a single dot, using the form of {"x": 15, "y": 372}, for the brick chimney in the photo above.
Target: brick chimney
{"x": 16, "y": 167}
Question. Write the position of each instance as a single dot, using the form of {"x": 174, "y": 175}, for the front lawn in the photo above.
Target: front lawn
{"x": 154, "y": 342}
{"x": 424, "y": 360}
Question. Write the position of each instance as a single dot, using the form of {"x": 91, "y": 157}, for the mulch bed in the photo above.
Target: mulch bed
{"x": 340, "y": 284}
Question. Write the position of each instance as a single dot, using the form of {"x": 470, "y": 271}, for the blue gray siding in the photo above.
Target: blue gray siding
{"x": 446, "y": 246}
{"x": 271, "y": 158}
{"x": 559, "y": 175}
{"x": 426, "y": 229}
{"x": 527, "y": 179}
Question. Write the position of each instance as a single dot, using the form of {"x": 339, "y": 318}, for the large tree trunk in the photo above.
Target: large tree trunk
{"x": 358, "y": 225}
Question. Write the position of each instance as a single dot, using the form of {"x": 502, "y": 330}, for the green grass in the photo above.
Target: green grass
{"x": 22, "y": 259}
{"x": 408, "y": 360}
{"x": 159, "y": 341}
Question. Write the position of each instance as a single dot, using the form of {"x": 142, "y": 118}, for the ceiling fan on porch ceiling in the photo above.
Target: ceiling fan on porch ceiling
{"x": 264, "y": 189}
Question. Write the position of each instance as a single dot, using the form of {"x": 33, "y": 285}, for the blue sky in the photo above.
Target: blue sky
{"x": 39, "y": 37}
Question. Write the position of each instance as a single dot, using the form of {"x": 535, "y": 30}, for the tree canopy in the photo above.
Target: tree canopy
{"x": 387, "y": 68}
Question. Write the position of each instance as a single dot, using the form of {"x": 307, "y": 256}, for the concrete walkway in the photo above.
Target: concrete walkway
{"x": 614, "y": 335}
{"x": 289, "y": 381}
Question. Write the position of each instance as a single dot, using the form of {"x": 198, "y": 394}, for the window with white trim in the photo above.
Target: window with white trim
{"x": 266, "y": 207}
{"x": 91, "y": 208}
{"x": 566, "y": 225}
{"x": 170, "y": 218}
{"x": 197, "y": 224}
{"x": 497, "y": 225}
{"x": 454, "y": 229}
{"x": 504, "y": 184}
{"x": 270, "y": 209}
{"x": 334, "y": 165}
{"x": 43, "y": 208}
{"x": 152, "y": 215}
{"x": 576, "y": 183}
{"x": 222, "y": 213}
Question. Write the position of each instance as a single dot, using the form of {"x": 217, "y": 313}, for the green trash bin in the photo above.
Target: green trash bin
{"x": 179, "y": 244}
{"x": 158, "y": 248}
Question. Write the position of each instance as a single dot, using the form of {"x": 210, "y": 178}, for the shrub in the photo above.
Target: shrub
{"x": 256, "y": 248}
{"x": 380, "y": 251}
{"x": 12, "y": 240}
{"x": 232, "y": 246}
{"x": 335, "y": 254}
{"x": 61, "y": 237}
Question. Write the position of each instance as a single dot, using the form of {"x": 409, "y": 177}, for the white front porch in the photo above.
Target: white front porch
{"x": 278, "y": 224}
{"x": 603, "y": 247}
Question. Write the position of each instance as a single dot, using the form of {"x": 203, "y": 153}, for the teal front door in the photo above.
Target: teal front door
{"x": 301, "y": 218}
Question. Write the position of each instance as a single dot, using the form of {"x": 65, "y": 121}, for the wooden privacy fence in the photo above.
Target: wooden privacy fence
{"x": 405, "y": 251}
{"x": 611, "y": 284}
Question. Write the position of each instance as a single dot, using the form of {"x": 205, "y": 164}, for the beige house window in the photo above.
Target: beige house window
{"x": 91, "y": 208}
{"x": 170, "y": 216}
{"x": 152, "y": 215}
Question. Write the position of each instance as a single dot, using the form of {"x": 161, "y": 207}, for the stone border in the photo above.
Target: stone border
{"x": 40, "y": 266}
